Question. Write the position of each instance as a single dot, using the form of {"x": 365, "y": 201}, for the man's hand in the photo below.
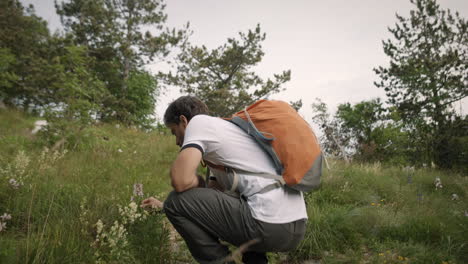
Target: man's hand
{"x": 151, "y": 203}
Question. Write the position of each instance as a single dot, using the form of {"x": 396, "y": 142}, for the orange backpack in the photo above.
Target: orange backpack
{"x": 289, "y": 141}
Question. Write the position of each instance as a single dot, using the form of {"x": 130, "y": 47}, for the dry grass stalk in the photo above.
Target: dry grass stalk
{"x": 236, "y": 255}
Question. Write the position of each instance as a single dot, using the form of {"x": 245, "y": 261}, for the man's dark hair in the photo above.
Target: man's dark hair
{"x": 188, "y": 106}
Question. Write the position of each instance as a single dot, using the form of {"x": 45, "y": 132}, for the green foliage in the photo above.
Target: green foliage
{"x": 457, "y": 139}
{"x": 368, "y": 213}
{"x": 333, "y": 140}
{"x": 65, "y": 193}
{"x": 376, "y": 134}
{"x": 360, "y": 119}
{"x": 427, "y": 73}
{"x": 23, "y": 41}
{"x": 7, "y": 77}
{"x": 296, "y": 104}
{"x": 15, "y": 131}
{"x": 362, "y": 213}
{"x": 141, "y": 97}
{"x": 222, "y": 77}
{"x": 78, "y": 93}
{"x": 389, "y": 145}
{"x": 365, "y": 131}
{"x": 113, "y": 32}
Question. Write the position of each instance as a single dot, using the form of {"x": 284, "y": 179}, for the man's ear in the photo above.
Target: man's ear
{"x": 183, "y": 119}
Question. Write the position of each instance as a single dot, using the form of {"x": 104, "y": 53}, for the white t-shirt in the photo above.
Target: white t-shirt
{"x": 224, "y": 143}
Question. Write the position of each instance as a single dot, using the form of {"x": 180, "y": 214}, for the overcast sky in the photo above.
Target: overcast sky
{"x": 330, "y": 46}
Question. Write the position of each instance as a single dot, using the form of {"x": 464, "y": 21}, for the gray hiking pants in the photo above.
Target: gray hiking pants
{"x": 204, "y": 216}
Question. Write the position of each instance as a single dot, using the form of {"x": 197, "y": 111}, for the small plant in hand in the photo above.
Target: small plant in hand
{"x": 152, "y": 204}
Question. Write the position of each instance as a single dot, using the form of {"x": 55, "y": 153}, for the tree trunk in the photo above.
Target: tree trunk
{"x": 440, "y": 141}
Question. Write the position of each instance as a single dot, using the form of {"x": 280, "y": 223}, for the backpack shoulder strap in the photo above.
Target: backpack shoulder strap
{"x": 279, "y": 181}
{"x": 261, "y": 140}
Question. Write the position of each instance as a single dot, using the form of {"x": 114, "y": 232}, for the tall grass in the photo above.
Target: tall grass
{"x": 64, "y": 194}
{"x": 373, "y": 214}
{"x": 361, "y": 214}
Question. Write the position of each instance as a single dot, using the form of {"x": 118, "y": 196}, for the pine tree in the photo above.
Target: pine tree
{"x": 223, "y": 77}
{"x": 428, "y": 72}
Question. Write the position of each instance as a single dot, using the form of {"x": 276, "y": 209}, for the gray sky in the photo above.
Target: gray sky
{"x": 330, "y": 46}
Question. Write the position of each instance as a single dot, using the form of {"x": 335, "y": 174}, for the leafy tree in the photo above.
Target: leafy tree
{"x": 142, "y": 84}
{"x": 7, "y": 77}
{"x": 334, "y": 140}
{"x": 361, "y": 119}
{"x": 377, "y": 133}
{"x": 389, "y": 145}
{"x": 79, "y": 93}
{"x": 364, "y": 131}
{"x": 114, "y": 33}
{"x": 23, "y": 45}
{"x": 458, "y": 144}
{"x": 223, "y": 77}
{"x": 428, "y": 72}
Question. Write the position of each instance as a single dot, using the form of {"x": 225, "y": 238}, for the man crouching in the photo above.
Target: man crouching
{"x": 274, "y": 221}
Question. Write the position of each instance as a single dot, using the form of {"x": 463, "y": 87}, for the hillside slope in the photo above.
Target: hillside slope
{"x": 56, "y": 198}
{"x": 77, "y": 204}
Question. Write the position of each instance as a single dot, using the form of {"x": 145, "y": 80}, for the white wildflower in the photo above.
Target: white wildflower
{"x": 111, "y": 243}
{"x": 43, "y": 156}
{"x": 38, "y": 125}
{"x": 21, "y": 163}
{"x": 47, "y": 159}
{"x": 133, "y": 206}
{"x": 84, "y": 216}
{"x": 345, "y": 187}
{"x": 15, "y": 184}
{"x": 117, "y": 234}
{"x": 120, "y": 150}
{"x": 455, "y": 197}
{"x": 130, "y": 213}
{"x": 466, "y": 213}
{"x": 99, "y": 226}
{"x": 5, "y": 217}
{"x": 57, "y": 155}
{"x": 138, "y": 189}
{"x": 438, "y": 183}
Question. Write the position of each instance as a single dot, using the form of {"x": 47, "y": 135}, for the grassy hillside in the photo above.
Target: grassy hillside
{"x": 371, "y": 214}
{"x": 75, "y": 205}
{"x": 64, "y": 193}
